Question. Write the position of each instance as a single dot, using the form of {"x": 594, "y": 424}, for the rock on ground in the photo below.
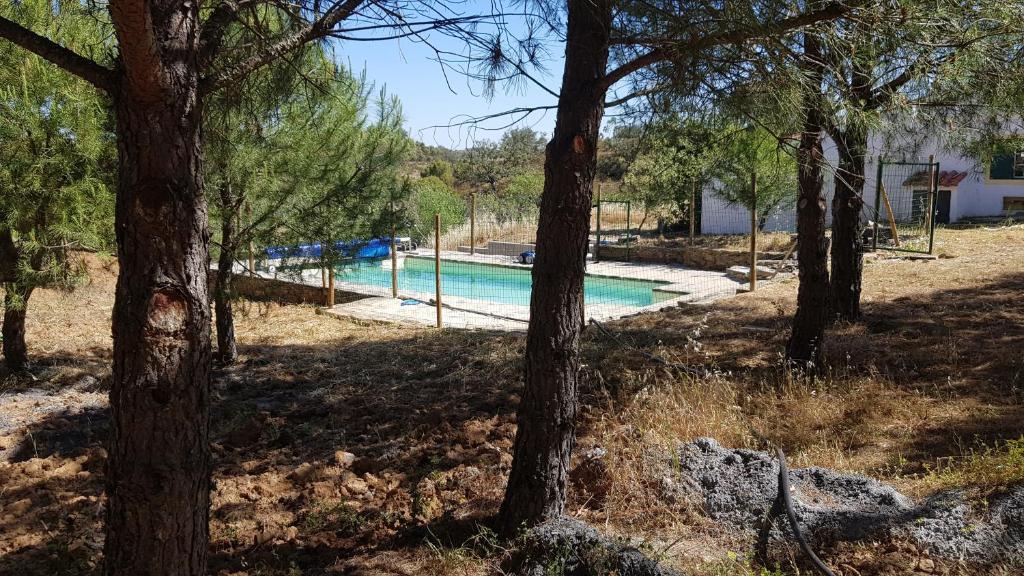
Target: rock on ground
{"x": 739, "y": 487}
{"x": 572, "y": 548}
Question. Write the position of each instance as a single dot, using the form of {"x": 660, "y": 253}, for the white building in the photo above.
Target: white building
{"x": 966, "y": 189}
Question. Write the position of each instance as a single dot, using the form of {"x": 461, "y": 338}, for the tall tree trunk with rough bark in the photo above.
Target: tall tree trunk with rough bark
{"x": 227, "y": 348}
{"x": 547, "y": 414}
{"x": 805, "y": 342}
{"x": 847, "y": 240}
{"x": 158, "y": 481}
{"x": 8, "y": 255}
{"x": 16, "y": 295}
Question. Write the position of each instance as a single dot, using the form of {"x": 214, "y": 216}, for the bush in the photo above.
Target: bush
{"x": 431, "y": 196}
{"x": 441, "y": 170}
{"x": 518, "y": 200}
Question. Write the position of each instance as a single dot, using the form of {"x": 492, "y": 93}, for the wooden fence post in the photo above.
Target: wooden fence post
{"x": 472, "y": 223}
{"x": 892, "y": 216}
{"x": 252, "y": 246}
{"x": 753, "y": 232}
{"x": 330, "y": 285}
{"x": 597, "y": 243}
{"x": 437, "y": 266}
{"x": 693, "y": 208}
{"x": 394, "y": 255}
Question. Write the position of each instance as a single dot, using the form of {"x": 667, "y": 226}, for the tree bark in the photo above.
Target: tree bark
{"x": 847, "y": 240}
{"x": 16, "y": 295}
{"x": 805, "y": 342}
{"x": 547, "y": 414}
{"x": 8, "y": 256}
{"x": 848, "y": 202}
{"x": 227, "y": 348}
{"x": 158, "y": 475}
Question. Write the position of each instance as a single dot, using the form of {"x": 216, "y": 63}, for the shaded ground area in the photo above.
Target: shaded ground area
{"x": 359, "y": 448}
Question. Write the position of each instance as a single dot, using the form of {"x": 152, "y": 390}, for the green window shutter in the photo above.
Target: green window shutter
{"x": 1002, "y": 167}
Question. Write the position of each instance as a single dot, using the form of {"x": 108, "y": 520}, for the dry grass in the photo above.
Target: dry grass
{"x": 926, "y": 392}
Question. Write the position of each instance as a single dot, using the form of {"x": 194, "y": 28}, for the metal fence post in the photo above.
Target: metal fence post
{"x": 437, "y": 265}
{"x": 930, "y": 218}
{"x": 935, "y": 194}
{"x": 878, "y": 204}
{"x": 753, "y": 231}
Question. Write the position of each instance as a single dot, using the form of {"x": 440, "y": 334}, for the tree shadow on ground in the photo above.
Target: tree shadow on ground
{"x": 429, "y": 418}
{"x": 963, "y": 340}
{"x": 51, "y": 500}
{"x": 918, "y": 379}
{"x": 57, "y": 371}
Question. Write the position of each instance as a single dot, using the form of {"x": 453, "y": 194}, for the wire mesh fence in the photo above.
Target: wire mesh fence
{"x": 472, "y": 255}
{"x": 904, "y": 213}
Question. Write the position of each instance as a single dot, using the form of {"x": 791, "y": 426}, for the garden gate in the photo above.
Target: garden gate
{"x": 905, "y": 206}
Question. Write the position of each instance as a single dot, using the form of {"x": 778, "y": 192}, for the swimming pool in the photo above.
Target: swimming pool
{"x": 499, "y": 284}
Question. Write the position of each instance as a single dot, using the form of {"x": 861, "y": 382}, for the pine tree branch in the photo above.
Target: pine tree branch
{"x": 635, "y": 65}
{"x": 666, "y": 51}
{"x": 309, "y": 32}
{"x": 139, "y": 49}
{"x": 637, "y": 94}
{"x": 211, "y": 37}
{"x": 66, "y": 59}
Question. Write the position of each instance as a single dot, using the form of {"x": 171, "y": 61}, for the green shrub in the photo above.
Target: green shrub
{"x": 517, "y": 200}
{"x": 431, "y": 196}
{"x": 440, "y": 169}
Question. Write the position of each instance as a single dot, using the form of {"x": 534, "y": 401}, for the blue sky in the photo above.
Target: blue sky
{"x": 405, "y": 68}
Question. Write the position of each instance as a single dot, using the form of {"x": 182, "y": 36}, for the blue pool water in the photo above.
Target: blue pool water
{"x": 500, "y": 284}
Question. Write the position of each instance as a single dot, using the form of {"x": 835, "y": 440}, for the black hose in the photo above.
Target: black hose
{"x": 788, "y": 501}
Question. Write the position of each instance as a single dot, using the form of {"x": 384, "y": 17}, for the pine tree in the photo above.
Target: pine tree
{"x": 56, "y": 178}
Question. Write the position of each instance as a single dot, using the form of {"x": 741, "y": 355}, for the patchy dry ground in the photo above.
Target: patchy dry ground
{"x": 348, "y": 448}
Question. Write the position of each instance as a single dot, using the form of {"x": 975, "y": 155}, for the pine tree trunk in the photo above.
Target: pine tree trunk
{"x": 547, "y": 414}
{"x": 158, "y": 475}
{"x": 805, "y": 342}
{"x": 16, "y": 295}
{"x": 8, "y": 255}
{"x": 227, "y": 348}
{"x": 847, "y": 240}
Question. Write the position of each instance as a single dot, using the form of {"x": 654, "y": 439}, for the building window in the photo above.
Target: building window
{"x": 1013, "y": 204}
{"x": 1007, "y": 167}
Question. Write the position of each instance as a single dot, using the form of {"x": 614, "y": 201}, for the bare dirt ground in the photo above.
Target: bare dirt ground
{"x": 927, "y": 393}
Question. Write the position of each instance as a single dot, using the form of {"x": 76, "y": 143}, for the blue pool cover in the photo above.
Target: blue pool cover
{"x": 374, "y": 248}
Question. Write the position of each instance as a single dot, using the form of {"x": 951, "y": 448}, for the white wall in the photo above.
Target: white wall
{"x": 976, "y": 195}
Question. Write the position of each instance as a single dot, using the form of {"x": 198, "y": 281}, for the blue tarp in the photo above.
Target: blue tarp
{"x": 374, "y": 248}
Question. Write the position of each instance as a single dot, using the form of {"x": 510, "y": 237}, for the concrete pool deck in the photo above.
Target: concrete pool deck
{"x": 684, "y": 285}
